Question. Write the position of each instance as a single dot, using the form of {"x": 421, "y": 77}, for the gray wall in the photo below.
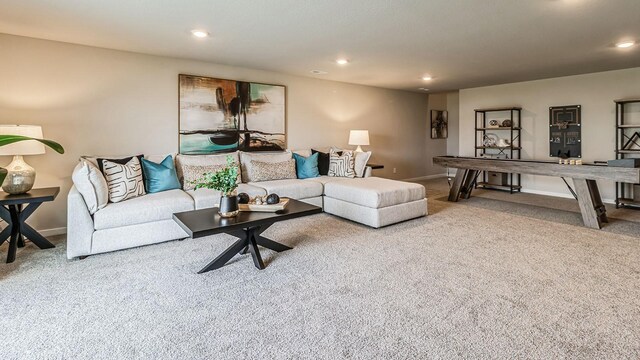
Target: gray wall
{"x": 107, "y": 102}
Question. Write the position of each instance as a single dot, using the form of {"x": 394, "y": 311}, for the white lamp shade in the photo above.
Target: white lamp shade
{"x": 359, "y": 137}
{"x": 27, "y": 147}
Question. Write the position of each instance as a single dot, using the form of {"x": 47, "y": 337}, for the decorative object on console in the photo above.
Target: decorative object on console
{"x": 341, "y": 165}
{"x": 359, "y": 137}
{"x": 306, "y": 167}
{"x": 494, "y": 123}
{"x": 565, "y": 131}
{"x": 503, "y": 143}
{"x": 439, "y": 124}
{"x": 218, "y": 115}
{"x": 225, "y": 181}
{"x": 160, "y": 177}
{"x": 125, "y": 181}
{"x": 17, "y": 141}
{"x": 506, "y": 123}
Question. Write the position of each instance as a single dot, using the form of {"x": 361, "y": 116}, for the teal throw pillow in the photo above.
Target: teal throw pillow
{"x": 306, "y": 167}
{"x": 160, "y": 177}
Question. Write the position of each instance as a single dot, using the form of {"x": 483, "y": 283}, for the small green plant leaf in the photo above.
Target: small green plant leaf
{"x": 10, "y": 139}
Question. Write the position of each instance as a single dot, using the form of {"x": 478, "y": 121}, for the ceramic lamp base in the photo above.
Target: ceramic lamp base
{"x": 20, "y": 177}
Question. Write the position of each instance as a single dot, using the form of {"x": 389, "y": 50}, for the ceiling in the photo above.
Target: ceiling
{"x": 391, "y": 44}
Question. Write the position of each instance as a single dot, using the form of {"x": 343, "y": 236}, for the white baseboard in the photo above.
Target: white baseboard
{"x": 53, "y": 232}
{"x": 560, "y": 195}
{"x": 426, "y": 177}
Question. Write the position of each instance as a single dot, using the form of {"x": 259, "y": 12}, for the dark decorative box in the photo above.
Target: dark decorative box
{"x": 629, "y": 163}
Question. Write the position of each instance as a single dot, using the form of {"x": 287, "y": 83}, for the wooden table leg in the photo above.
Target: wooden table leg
{"x": 467, "y": 184}
{"x": 454, "y": 193}
{"x": 591, "y": 206}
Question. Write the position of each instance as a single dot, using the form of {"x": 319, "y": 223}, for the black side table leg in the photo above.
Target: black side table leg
{"x": 15, "y": 233}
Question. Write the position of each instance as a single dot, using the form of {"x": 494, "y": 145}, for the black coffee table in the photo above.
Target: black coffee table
{"x": 247, "y": 227}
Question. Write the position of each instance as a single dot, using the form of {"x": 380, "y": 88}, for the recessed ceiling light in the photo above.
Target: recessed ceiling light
{"x": 427, "y": 77}
{"x": 423, "y": 89}
{"x": 625, "y": 44}
{"x": 342, "y": 61}
{"x": 199, "y": 33}
{"x": 319, "y": 72}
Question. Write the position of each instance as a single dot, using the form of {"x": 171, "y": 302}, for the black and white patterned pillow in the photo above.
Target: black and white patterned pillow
{"x": 124, "y": 180}
{"x": 341, "y": 165}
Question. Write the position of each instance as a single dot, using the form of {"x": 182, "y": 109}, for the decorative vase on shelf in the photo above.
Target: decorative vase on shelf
{"x": 228, "y": 205}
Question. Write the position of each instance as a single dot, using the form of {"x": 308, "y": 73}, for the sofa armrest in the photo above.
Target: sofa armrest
{"x": 79, "y": 225}
{"x": 367, "y": 171}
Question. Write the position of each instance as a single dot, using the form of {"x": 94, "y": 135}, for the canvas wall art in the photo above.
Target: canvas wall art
{"x": 439, "y": 124}
{"x": 219, "y": 115}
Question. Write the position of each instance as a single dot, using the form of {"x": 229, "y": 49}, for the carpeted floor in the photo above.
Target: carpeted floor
{"x": 497, "y": 276}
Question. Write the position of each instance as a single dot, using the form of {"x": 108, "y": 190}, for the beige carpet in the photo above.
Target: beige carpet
{"x": 484, "y": 278}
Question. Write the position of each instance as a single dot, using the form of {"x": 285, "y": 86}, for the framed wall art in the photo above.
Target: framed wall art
{"x": 219, "y": 115}
{"x": 439, "y": 124}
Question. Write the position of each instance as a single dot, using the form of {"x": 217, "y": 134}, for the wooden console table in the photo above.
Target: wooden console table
{"x": 584, "y": 179}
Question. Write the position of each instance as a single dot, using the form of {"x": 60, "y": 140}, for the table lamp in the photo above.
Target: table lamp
{"x": 359, "y": 137}
{"x": 21, "y": 176}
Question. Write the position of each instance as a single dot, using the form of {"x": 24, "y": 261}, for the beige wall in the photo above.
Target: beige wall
{"x": 98, "y": 101}
{"x": 595, "y": 92}
{"x": 435, "y": 147}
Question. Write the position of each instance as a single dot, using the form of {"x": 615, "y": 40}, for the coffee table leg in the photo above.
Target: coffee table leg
{"x": 225, "y": 256}
{"x": 270, "y": 244}
{"x": 255, "y": 252}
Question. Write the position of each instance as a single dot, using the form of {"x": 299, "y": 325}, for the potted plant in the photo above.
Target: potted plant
{"x": 225, "y": 181}
{"x": 10, "y": 139}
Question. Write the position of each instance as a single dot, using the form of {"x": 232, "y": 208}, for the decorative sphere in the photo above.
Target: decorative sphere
{"x": 243, "y": 198}
{"x": 273, "y": 199}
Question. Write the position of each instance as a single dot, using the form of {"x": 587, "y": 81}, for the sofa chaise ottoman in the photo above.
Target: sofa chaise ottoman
{"x": 375, "y": 201}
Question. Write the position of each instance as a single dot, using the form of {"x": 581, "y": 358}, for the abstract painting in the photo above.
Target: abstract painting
{"x": 218, "y": 115}
{"x": 439, "y": 124}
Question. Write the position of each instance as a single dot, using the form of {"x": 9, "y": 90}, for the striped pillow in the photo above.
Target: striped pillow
{"x": 341, "y": 165}
{"x": 124, "y": 181}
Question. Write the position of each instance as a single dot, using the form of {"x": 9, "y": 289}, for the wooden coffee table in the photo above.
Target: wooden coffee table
{"x": 247, "y": 227}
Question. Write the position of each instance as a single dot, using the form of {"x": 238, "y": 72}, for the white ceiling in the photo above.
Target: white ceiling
{"x": 461, "y": 43}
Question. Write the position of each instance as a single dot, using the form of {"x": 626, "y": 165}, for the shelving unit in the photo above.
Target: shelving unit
{"x": 512, "y": 151}
{"x": 625, "y": 196}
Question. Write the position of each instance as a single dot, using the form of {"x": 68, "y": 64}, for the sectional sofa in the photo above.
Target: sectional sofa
{"x": 147, "y": 219}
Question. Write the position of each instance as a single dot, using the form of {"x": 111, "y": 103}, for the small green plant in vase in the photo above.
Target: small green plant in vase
{"x": 225, "y": 181}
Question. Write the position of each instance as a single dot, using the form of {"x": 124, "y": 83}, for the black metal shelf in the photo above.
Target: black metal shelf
{"x": 509, "y": 188}
{"x": 512, "y": 151}
{"x": 499, "y": 147}
{"x": 624, "y": 190}
{"x": 503, "y": 128}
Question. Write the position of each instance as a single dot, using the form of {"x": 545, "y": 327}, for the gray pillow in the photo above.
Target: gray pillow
{"x": 266, "y": 171}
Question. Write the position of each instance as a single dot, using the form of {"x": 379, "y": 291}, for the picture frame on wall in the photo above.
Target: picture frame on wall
{"x": 439, "y": 124}
{"x": 221, "y": 115}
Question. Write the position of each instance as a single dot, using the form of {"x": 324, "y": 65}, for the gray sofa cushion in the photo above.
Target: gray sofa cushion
{"x": 291, "y": 188}
{"x": 374, "y": 192}
{"x": 143, "y": 209}
{"x": 208, "y": 198}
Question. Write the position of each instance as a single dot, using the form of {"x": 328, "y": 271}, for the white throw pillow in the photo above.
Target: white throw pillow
{"x": 341, "y": 165}
{"x": 362, "y": 158}
{"x": 92, "y": 185}
{"x": 124, "y": 181}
